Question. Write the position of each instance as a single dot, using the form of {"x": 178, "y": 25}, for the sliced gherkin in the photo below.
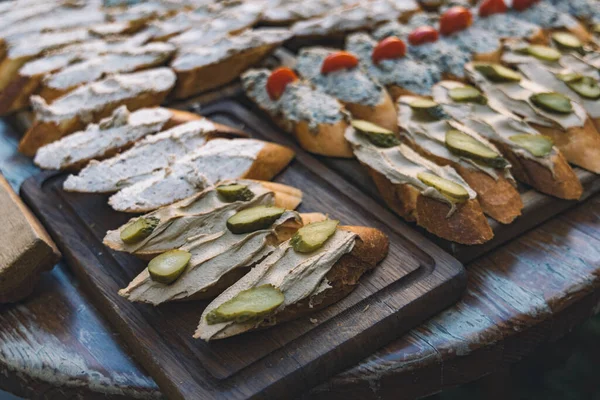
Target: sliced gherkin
{"x": 427, "y": 109}
{"x": 552, "y": 102}
{"x": 377, "y": 135}
{"x": 467, "y": 94}
{"x": 497, "y": 72}
{"x": 254, "y": 219}
{"x": 570, "y": 77}
{"x": 453, "y": 191}
{"x": 235, "y": 192}
{"x": 544, "y": 53}
{"x": 537, "y": 145}
{"x": 567, "y": 41}
{"x": 139, "y": 229}
{"x": 247, "y": 305}
{"x": 167, "y": 267}
{"x": 586, "y": 87}
{"x": 312, "y": 236}
{"x": 466, "y": 146}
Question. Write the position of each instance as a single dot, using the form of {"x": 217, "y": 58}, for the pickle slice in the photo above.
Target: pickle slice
{"x": 586, "y": 87}
{"x": 426, "y": 108}
{"x": 538, "y": 145}
{"x": 552, "y": 102}
{"x": 253, "y": 219}
{"x": 167, "y": 267}
{"x": 453, "y": 191}
{"x": 464, "y": 145}
{"x": 312, "y": 236}
{"x": 235, "y": 192}
{"x": 544, "y": 53}
{"x": 498, "y": 73}
{"x": 570, "y": 77}
{"x": 377, "y": 135}
{"x": 567, "y": 41}
{"x": 139, "y": 229}
{"x": 467, "y": 94}
{"x": 247, "y": 305}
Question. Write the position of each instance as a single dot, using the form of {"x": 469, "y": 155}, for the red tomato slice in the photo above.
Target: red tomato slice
{"x": 455, "y": 19}
{"x": 390, "y": 47}
{"x": 338, "y": 60}
{"x": 521, "y": 5}
{"x": 489, "y": 7}
{"x": 422, "y": 35}
{"x": 278, "y": 80}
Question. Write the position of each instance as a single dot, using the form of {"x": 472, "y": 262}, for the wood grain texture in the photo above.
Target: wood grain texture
{"x": 414, "y": 281}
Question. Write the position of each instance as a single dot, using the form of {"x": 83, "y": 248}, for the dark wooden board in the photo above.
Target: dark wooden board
{"x": 415, "y": 281}
{"x": 538, "y": 207}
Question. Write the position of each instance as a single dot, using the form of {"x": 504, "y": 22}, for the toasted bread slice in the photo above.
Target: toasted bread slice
{"x": 206, "y": 67}
{"x": 92, "y": 102}
{"x": 370, "y": 246}
{"x": 315, "y": 119}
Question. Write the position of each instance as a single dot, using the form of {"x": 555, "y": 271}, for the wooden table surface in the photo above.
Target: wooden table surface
{"x": 532, "y": 290}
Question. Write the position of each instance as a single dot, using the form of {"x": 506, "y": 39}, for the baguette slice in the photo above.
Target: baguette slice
{"x": 117, "y": 62}
{"x": 219, "y": 159}
{"x": 550, "y": 174}
{"x": 92, "y": 102}
{"x": 192, "y": 216}
{"x": 508, "y": 26}
{"x": 395, "y": 173}
{"x": 218, "y": 260}
{"x": 315, "y": 119}
{"x": 340, "y": 262}
{"x": 205, "y": 67}
{"x": 361, "y": 96}
{"x": 288, "y": 12}
{"x": 574, "y": 133}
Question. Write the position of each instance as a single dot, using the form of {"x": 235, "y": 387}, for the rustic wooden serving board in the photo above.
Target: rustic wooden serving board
{"x": 415, "y": 281}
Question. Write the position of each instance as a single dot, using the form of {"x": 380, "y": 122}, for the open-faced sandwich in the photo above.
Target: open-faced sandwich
{"x": 552, "y": 114}
{"x": 317, "y": 120}
{"x": 493, "y": 16}
{"x": 92, "y": 102}
{"x": 388, "y": 63}
{"x": 429, "y": 131}
{"x": 549, "y": 68}
{"x": 321, "y": 264}
{"x": 533, "y": 157}
{"x": 205, "y": 67}
{"x": 417, "y": 189}
{"x": 287, "y": 12}
{"x": 338, "y": 74}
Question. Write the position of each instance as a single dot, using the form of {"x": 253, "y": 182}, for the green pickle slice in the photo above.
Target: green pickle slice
{"x": 253, "y": 219}
{"x": 586, "y": 87}
{"x": 567, "y": 41}
{"x": 453, "y": 191}
{"x": 426, "y": 108}
{"x": 464, "y": 145}
{"x": 544, "y": 53}
{"x": 167, "y": 267}
{"x": 497, "y": 73}
{"x": 235, "y": 192}
{"x": 247, "y": 305}
{"x": 467, "y": 94}
{"x": 139, "y": 230}
{"x": 312, "y": 236}
{"x": 552, "y": 102}
{"x": 570, "y": 77}
{"x": 377, "y": 135}
{"x": 538, "y": 145}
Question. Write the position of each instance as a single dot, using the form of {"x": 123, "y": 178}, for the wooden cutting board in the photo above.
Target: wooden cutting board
{"x": 415, "y": 281}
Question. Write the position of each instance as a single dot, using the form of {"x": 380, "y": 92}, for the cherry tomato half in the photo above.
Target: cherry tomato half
{"x": 521, "y": 5}
{"x": 489, "y": 7}
{"x": 455, "y": 19}
{"x": 278, "y": 80}
{"x": 338, "y": 60}
{"x": 422, "y": 35}
{"x": 390, "y": 47}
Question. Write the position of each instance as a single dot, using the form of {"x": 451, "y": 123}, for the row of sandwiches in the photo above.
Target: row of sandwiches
{"x": 448, "y": 111}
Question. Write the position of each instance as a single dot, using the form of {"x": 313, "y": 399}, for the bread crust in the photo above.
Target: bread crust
{"x": 15, "y": 95}
{"x": 286, "y": 196}
{"x": 579, "y": 145}
{"x": 195, "y": 81}
{"x": 382, "y": 114}
{"x": 467, "y": 225}
{"x": 42, "y": 133}
{"x": 270, "y": 161}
